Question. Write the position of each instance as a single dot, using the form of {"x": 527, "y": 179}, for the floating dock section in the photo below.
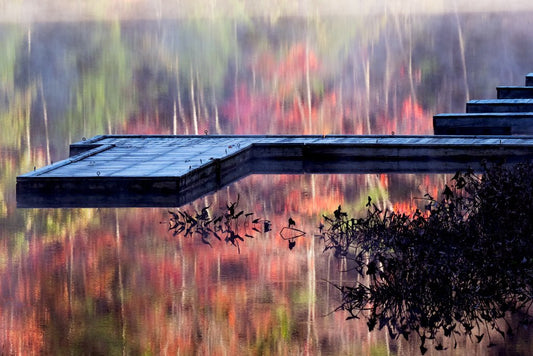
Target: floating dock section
{"x": 510, "y": 114}
{"x": 126, "y": 170}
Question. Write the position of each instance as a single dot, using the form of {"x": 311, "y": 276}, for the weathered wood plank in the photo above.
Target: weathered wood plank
{"x": 514, "y": 92}
{"x": 499, "y": 105}
{"x": 484, "y": 124}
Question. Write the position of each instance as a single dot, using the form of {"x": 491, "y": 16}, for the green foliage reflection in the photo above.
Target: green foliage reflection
{"x": 104, "y": 95}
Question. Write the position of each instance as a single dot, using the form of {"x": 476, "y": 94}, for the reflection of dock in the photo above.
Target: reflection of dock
{"x": 510, "y": 114}
{"x": 127, "y": 170}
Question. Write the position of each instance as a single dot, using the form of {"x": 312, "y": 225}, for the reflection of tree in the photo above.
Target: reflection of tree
{"x": 104, "y": 94}
{"x": 108, "y": 280}
{"x": 182, "y": 71}
{"x": 457, "y": 269}
{"x": 310, "y": 75}
{"x": 15, "y": 107}
{"x": 12, "y": 102}
{"x": 76, "y": 77}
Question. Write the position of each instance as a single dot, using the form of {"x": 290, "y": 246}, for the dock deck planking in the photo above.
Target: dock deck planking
{"x": 123, "y": 169}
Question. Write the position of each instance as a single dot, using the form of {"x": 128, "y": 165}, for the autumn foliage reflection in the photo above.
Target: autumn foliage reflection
{"x": 288, "y": 96}
{"x": 104, "y": 281}
{"x": 91, "y": 282}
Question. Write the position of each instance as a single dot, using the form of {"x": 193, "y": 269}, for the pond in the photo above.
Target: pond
{"x": 117, "y": 281}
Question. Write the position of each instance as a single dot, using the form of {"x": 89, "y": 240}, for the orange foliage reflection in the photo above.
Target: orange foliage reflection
{"x": 147, "y": 291}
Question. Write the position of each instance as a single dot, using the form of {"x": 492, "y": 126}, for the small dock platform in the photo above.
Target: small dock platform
{"x": 499, "y": 105}
{"x": 133, "y": 170}
{"x": 510, "y": 114}
{"x": 495, "y": 123}
{"x": 514, "y": 92}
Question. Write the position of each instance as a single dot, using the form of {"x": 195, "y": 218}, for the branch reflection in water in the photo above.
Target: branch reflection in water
{"x": 461, "y": 268}
{"x": 458, "y": 269}
{"x": 230, "y": 225}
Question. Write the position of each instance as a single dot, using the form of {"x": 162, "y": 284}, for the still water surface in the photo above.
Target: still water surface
{"x": 115, "y": 281}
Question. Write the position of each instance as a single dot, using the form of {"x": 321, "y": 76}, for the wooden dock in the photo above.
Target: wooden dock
{"x": 510, "y": 114}
{"x": 127, "y": 170}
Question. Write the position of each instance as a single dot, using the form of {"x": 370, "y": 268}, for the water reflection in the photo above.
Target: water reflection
{"x": 112, "y": 281}
{"x": 96, "y": 276}
{"x": 457, "y": 269}
{"x": 306, "y": 76}
{"x": 231, "y": 224}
